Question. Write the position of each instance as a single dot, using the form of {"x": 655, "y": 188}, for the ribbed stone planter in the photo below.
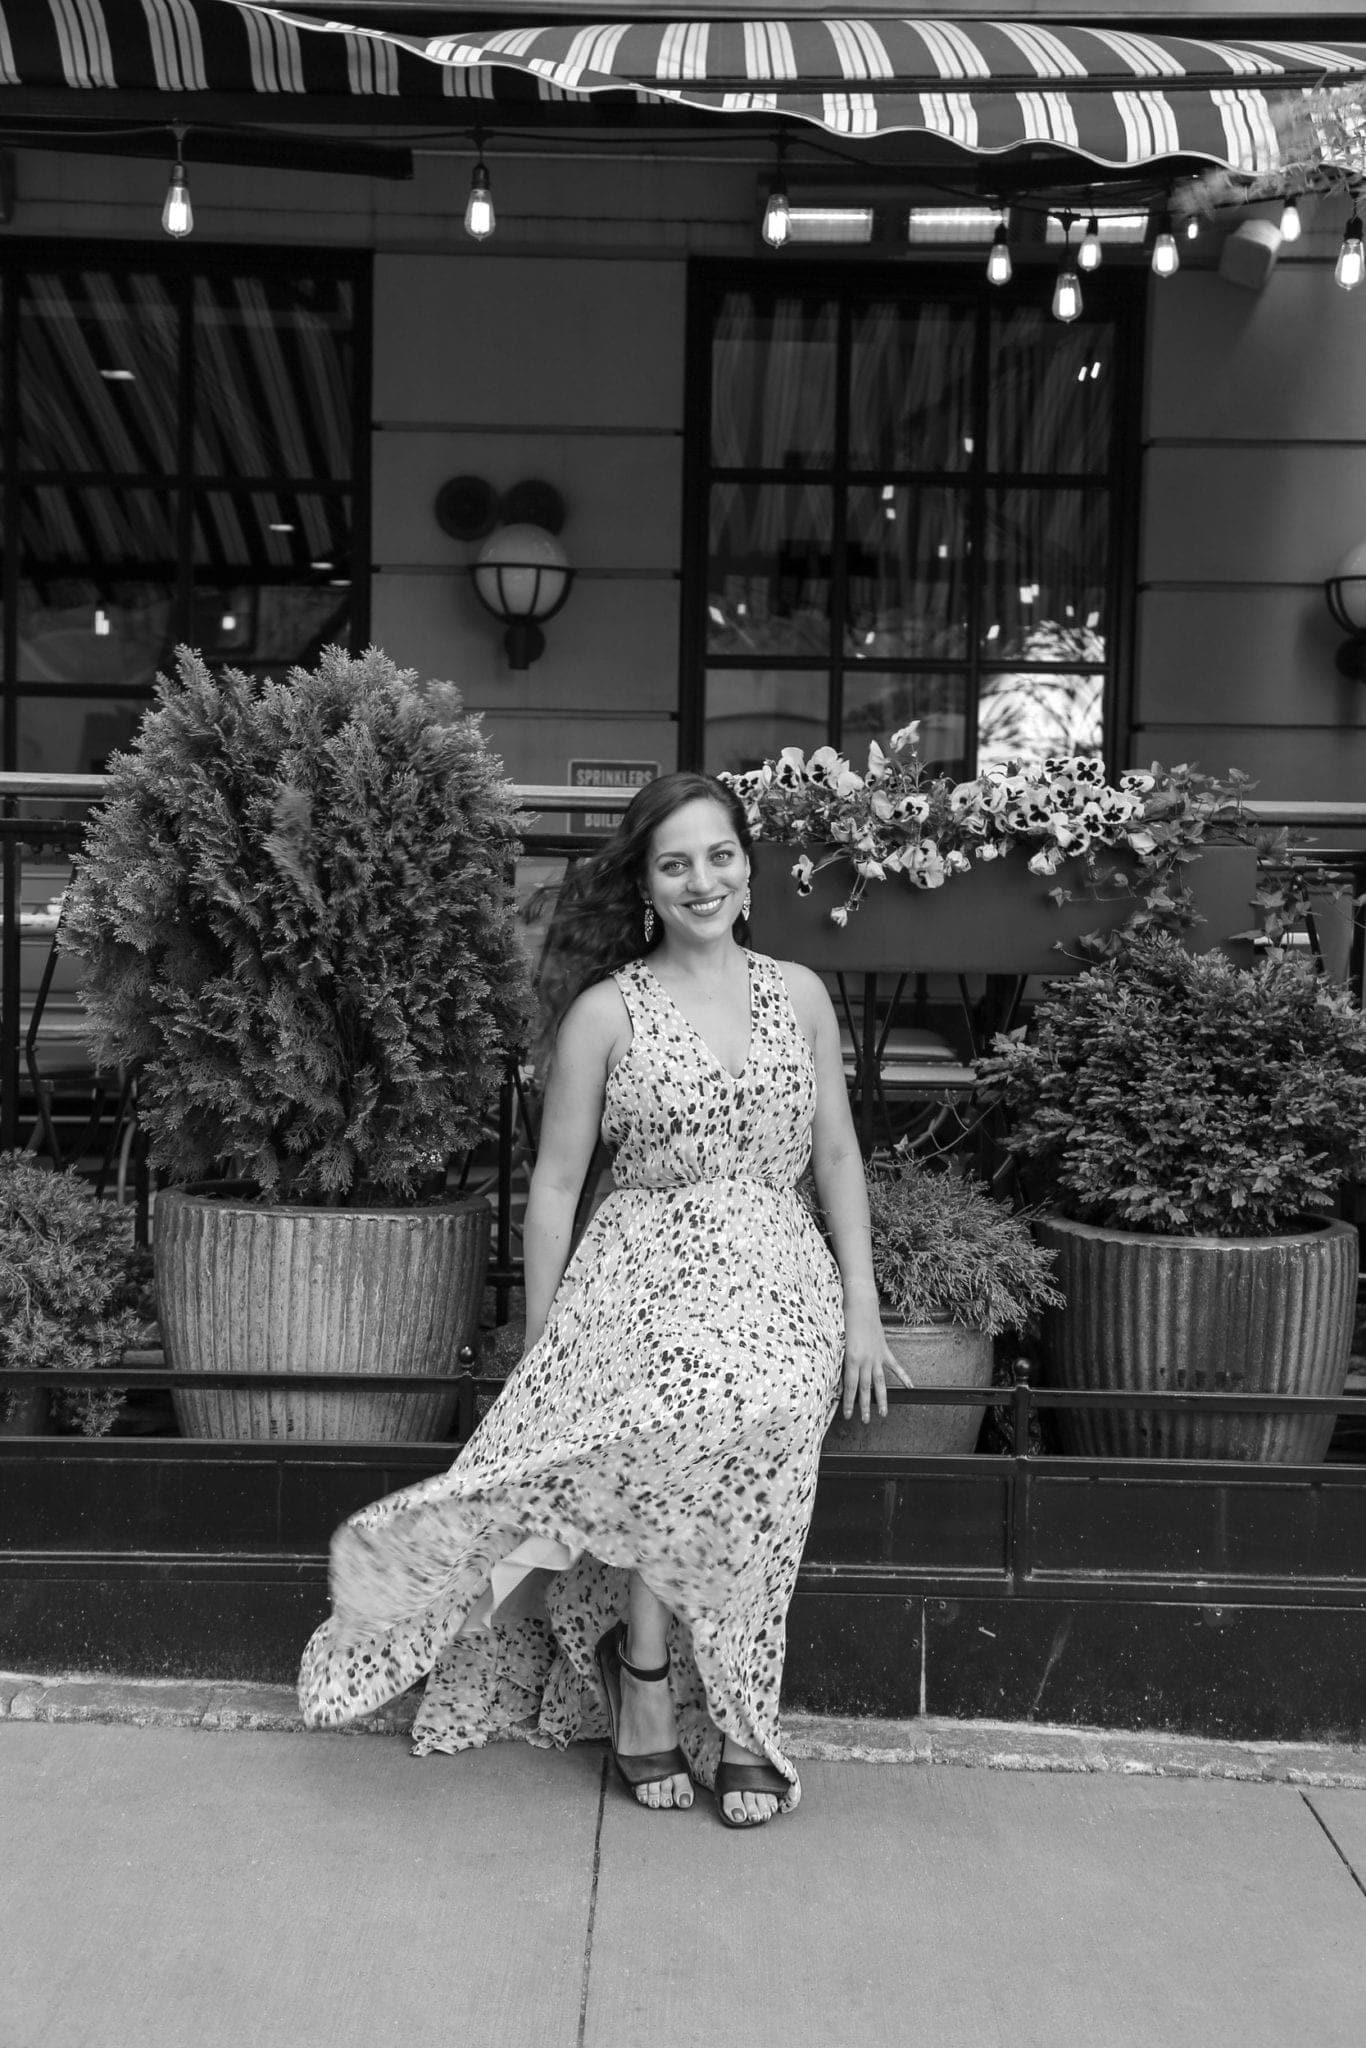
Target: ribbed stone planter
{"x": 1243, "y": 1315}
{"x": 933, "y": 1355}
{"x": 249, "y": 1286}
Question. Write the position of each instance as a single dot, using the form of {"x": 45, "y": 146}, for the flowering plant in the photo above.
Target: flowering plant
{"x": 897, "y": 818}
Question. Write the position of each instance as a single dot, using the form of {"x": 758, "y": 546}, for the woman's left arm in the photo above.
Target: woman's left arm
{"x": 840, "y": 1184}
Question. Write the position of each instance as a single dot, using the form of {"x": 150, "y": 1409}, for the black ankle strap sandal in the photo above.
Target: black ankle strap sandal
{"x": 655, "y": 1765}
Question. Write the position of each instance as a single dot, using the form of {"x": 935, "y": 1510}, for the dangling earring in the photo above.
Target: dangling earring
{"x": 745, "y": 902}
{"x": 649, "y": 922}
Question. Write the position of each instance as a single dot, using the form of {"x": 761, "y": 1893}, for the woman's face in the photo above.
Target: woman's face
{"x": 696, "y": 871}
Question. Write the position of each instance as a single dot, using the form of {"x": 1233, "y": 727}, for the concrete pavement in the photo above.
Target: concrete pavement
{"x": 174, "y": 1885}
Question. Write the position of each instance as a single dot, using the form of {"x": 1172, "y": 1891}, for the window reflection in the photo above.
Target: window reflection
{"x": 910, "y": 387}
{"x": 72, "y": 735}
{"x": 77, "y": 630}
{"x": 769, "y": 586}
{"x": 773, "y": 383}
{"x": 1046, "y": 562}
{"x": 1051, "y": 397}
{"x": 907, "y": 569}
{"x": 876, "y": 706}
{"x": 1026, "y": 717}
{"x": 98, "y": 371}
{"x": 752, "y": 714}
{"x": 274, "y": 373}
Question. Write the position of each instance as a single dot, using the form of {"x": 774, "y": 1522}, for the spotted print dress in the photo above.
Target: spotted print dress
{"x": 669, "y": 1420}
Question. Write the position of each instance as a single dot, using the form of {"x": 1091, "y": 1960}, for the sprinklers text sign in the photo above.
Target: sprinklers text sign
{"x": 606, "y": 775}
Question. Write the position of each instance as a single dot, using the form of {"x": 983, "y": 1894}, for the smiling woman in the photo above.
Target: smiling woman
{"x": 621, "y": 1536}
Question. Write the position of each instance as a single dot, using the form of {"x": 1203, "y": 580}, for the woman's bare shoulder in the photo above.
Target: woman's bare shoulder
{"x": 597, "y": 1020}
{"x": 807, "y": 991}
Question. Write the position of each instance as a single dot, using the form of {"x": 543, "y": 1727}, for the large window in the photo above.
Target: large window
{"x": 910, "y": 498}
{"x": 183, "y": 454}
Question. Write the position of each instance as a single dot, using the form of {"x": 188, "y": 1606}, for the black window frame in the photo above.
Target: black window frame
{"x": 1117, "y": 291}
{"x": 183, "y": 263}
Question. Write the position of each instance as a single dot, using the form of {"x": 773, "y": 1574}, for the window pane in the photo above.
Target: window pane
{"x": 256, "y": 535}
{"x": 910, "y": 388}
{"x": 753, "y": 714}
{"x": 97, "y": 372}
{"x": 1026, "y": 717}
{"x": 768, "y": 587}
{"x": 94, "y": 634}
{"x": 876, "y": 706}
{"x": 1044, "y": 579}
{"x": 908, "y": 573}
{"x": 267, "y": 628}
{"x": 70, "y": 735}
{"x": 84, "y": 529}
{"x": 773, "y": 383}
{"x": 274, "y": 374}
{"x": 1051, "y": 386}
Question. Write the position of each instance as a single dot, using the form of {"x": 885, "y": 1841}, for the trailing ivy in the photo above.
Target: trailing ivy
{"x": 1175, "y": 1093}
{"x": 295, "y": 913}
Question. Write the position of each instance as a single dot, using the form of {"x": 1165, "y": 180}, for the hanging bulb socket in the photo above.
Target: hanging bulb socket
{"x": 1088, "y": 249}
{"x": 1166, "y": 257}
{"x": 479, "y": 214}
{"x": 177, "y": 214}
{"x": 999, "y": 265}
{"x": 1351, "y": 264}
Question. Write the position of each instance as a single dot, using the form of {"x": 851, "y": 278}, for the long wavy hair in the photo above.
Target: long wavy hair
{"x": 599, "y": 920}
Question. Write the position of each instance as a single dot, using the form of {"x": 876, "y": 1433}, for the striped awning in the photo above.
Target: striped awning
{"x": 1113, "y": 95}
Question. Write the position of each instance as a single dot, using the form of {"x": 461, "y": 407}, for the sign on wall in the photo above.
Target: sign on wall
{"x": 606, "y": 775}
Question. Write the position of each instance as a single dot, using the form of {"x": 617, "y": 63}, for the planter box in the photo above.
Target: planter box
{"x": 996, "y": 919}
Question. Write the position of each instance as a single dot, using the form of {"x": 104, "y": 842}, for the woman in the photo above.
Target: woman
{"x": 624, "y": 1529}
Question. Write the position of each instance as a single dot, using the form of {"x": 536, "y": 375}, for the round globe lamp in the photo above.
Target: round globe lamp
{"x": 1345, "y": 591}
{"x": 522, "y": 575}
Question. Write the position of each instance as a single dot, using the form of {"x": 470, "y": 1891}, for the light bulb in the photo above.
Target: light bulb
{"x": 1351, "y": 263}
{"x": 1192, "y": 226}
{"x": 479, "y": 217}
{"x": 1088, "y": 250}
{"x": 1292, "y": 227}
{"x": 177, "y": 214}
{"x": 999, "y": 266}
{"x": 1067, "y": 296}
{"x": 1166, "y": 260}
{"x": 777, "y": 218}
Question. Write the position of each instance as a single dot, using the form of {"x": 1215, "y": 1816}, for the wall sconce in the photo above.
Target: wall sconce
{"x": 522, "y": 575}
{"x": 1345, "y": 591}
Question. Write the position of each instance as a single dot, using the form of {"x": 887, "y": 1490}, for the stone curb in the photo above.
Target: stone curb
{"x": 981, "y": 1745}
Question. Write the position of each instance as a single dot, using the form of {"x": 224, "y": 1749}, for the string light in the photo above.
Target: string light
{"x": 479, "y": 214}
{"x": 177, "y": 214}
{"x": 1088, "y": 250}
{"x": 1292, "y": 227}
{"x": 1166, "y": 260}
{"x": 1351, "y": 263}
{"x": 1067, "y": 290}
{"x": 777, "y": 224}
{"x": 999, "y": 265}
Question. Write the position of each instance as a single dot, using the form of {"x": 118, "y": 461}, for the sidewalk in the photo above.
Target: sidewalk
{"x": 163, "y": 1886}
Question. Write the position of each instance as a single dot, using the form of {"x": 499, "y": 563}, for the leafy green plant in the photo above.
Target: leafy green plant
{"x": 295, "y": 911}
{"x": 73, "y": 1285}
{"x": 1178, "y": 1094}
{"x": 944, "y": 1246}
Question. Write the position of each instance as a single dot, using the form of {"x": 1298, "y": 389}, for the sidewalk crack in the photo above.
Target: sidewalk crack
{"x": 592, "y": 1908}
{"x": 1347, "y": 1863}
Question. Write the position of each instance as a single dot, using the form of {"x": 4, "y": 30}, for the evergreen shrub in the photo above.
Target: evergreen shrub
{"x": 73, "y": 1285}
{"x": 1177, "y": 1094}
{"x": 295, "y": 910}
{"x": 943, "y": 1246}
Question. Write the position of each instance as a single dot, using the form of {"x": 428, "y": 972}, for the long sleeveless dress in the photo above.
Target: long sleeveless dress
{"x": 668, "y": 1420}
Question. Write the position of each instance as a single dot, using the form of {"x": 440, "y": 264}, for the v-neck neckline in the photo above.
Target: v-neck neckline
{"x": 712, "y": 1055}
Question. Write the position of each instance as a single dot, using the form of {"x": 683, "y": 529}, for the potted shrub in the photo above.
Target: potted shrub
{"x": 73, "y": 1289}
{"x": 955, "y": 1268}
{"x": 1190, "y": 1124}
{"x": 296, "y": 916}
